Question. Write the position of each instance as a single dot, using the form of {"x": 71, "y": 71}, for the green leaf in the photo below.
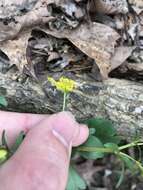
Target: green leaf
{"x": 104, "y": 130}
{"x": 113, "y": 139}
{"x": 112, "y": 146}
{"x": 102, "y": 126}
{"x": 18, "y": 141}
{"x": 75, "y": 182}
{"x": 131, "y": 165}
{"x": 95, "y": 143}
{"x": 3, "y": 101}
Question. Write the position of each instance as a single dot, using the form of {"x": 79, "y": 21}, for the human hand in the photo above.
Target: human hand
{"x": 42, "y": 160}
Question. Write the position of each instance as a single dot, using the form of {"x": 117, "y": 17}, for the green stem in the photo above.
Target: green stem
{"x": 129, "y": 157}
{"x": 121, "y": 176}
{"x": 95, "y": 149}
{"x": 64, "y": 101}
{"x": 136, "y": 143}
{"x": 108, "y": 150}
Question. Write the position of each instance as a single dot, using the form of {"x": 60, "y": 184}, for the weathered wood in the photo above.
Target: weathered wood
{"x": 119, "y": 100}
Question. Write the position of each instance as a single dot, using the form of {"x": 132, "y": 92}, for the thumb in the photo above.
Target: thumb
{"x": 42, "y": 161}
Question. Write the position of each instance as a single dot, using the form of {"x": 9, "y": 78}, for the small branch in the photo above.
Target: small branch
{"x": 64, "y": 101}
{"x": 136, "y": 143}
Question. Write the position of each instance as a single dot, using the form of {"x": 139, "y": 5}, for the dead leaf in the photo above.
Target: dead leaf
{"x": 8, "y": 31}
{"x": 109, "y": 6}
{"x": 16, "y": 50}
{"x": 137, "y": 67}
{"x": 14, "y": 7}
{"x": 119, "y": 22}
{"x": 137, "y": 5}
{"x": 141, "y": 25}
{"x": 121, "y": 54}
{"x": 69, "y": 14}
{"x": 98, "y": 42}
{"x": 133, "y": 30}
{"x": 11, "y": 26}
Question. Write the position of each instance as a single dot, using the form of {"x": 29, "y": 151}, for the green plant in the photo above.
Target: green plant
{"x": 103, "y": 140}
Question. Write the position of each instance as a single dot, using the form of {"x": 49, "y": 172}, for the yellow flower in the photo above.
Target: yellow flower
{"x": 3, "y": 154}
{"x": 64, "y": 84}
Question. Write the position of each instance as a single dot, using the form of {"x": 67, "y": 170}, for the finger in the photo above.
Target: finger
{"x": 82, "y": 136}
{"x": 65, "y": 124}
{"x": 62, "y": 123}
{"x": 42, "y": 160}
{"x": 14, "y": 123}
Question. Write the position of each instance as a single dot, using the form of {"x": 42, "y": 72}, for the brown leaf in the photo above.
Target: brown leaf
{"x": 97, "y": 41}
{"x": 11, "y": 26}
{"x": 121, "y": 54}
{"x": 15, "y": 50}
{"x": 137, "y": 5}
{"x": 13, "y": 7}
{"x": 109, "y": 6}
{"x": 141, "y": 24}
